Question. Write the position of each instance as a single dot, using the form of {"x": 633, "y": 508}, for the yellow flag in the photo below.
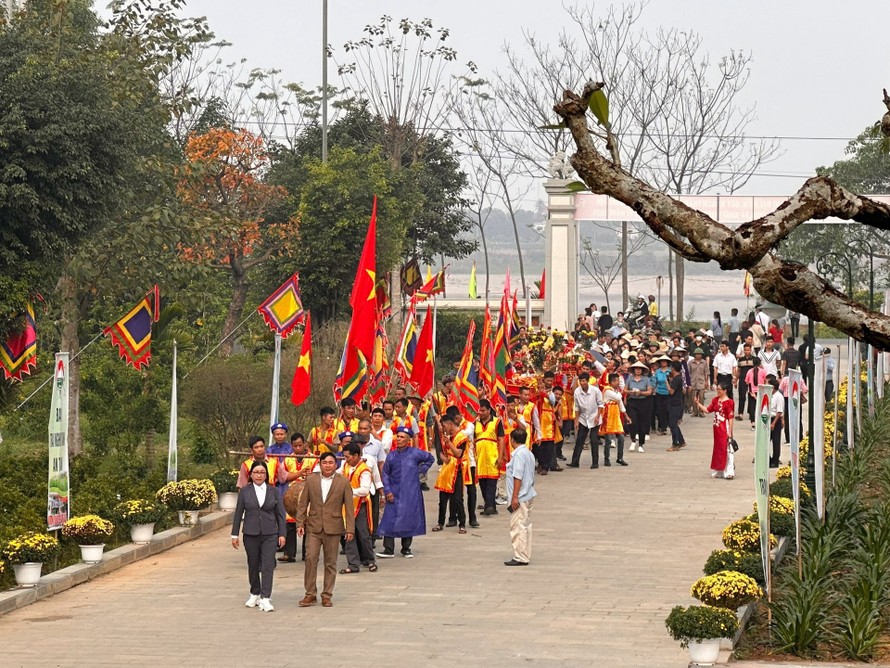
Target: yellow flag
{"x": 473, "y": 293}
{"x": 429, "y": 274}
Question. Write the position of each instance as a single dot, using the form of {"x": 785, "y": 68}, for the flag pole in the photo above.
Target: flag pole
{"x": 172, "y": 441}
{"x": 276, "y": 381}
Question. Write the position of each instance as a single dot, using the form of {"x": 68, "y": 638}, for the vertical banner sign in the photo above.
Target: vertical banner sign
{"x": 172, "y": 441}
{"x": 59, "y": 497}
{"x": 276, "y": 381}
{"x": 870, "y": 375}
{"x": 761, "y": 474}
{"x": 835, "y": 435}
{"x": 850, "y": 386}
{"x": 795, "y": 383}
{"x": 857, "y": 383}
{"x": 817, "y": 438}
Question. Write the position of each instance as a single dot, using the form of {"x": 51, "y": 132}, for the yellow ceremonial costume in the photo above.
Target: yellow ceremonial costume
{"x": 612, "y": 423}
{"x": 487, "y": 448}
{"x": 454, "y": 465}
{"x": 354, "y": 476}
{"x": 547, "y": 417}
{"x": 341, "y": 425}
{"x": 527, "y": 413}
{"x": 320, "y": 437}
{"x": 271, "y": 468}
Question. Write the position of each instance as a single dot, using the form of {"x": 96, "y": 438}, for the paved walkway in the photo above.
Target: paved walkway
{"x": 614, "y": 550}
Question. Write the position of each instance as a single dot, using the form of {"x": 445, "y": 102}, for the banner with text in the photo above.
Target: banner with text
{"x": 59, "y": 497}
{"x": 761, "y": 473}
{"x": 817, "y": 438}
{"x": 795, "y": 384}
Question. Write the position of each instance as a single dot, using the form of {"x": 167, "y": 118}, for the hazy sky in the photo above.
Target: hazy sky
{"x": 816, "y": 79}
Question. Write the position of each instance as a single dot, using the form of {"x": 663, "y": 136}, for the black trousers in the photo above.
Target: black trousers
{"x": 584, "y": 432}
{"x": 471, "y": 498}
{"x": 456, "y": 499}
{"x": 545, "y": 455}
{"x": 358, "y": 550}
{"x": 640, "y": 413}
{"x": 261, "y": 563}
{"x": 389, "y": 544}
{"x": 776, "y": 437}
{"x": 489, "y": 487}
{"x": 743, "y": 393}
{"x": 661, "y": 411}
{"x": 375, "y": 512}
{"x": 607, "y": 443}
{"x": 795, "y": 327}
{"x": 675, "y": 414}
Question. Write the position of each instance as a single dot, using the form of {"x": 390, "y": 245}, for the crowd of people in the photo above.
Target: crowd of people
{"x": 356, "y": 482}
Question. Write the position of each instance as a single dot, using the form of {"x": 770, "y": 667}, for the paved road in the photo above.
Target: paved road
{"x": 614, "y": 550}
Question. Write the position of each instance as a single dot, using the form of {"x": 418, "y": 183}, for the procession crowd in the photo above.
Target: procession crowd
{"x": 355, "y": 481}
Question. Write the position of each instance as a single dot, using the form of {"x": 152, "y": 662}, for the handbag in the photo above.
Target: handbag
{"x": 734, "y": 444}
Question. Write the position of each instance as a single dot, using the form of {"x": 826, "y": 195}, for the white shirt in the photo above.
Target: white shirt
{"x": 588, "y": 404}
{"x": 365, "y": 480}
{"x": 375, "y": 471}
{"x": 260, "y": 493}
{"x": 776, "y": 404}
{"x": 763, "y": 319}
{"x": 384, "y": 438}
{"x": 769, "y": 360}
{"x": 326, "y": 487}
{"x": 724, "y": 364}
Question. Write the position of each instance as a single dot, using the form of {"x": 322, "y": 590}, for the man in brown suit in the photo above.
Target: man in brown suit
{"x": 325, "y": 512}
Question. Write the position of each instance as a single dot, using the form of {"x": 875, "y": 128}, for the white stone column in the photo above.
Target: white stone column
{"x": 562, "y": 256}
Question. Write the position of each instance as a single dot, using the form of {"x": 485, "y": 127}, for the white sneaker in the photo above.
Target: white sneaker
{"x": 501, "y": 502}
{"x": 252, "y": 601}
{"x": 640, "y": 449}
{"x": 266, "y": 605}
{"x": 633, "y": 446}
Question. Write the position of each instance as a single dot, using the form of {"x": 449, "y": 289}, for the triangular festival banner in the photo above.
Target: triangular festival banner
{"x": 131, "y": 335}
{"x": 283, "y": 309}
{"x": 18, "y": 354}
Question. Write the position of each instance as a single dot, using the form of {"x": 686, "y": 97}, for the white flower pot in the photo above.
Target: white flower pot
{"x": 141, "y": 533}
{"x": 228, "y": 501}
{"x": 188, "y": 518}
{"x": 27, "y": 574}
{"x": 92, "y": 554}
{"x": 704, "y": 652}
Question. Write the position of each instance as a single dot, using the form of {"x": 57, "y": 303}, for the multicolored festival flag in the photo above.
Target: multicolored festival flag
{"x": 351, "y": 381}
{"x": 434, "y": 286}
{"x": 515, "y": 322}
{"x": 131, "y": 335}
{"x": 486, "y": 358}
{"x": 283, "y": 309}
{"x": 501, "y": 354}
{"x": 410, "y": 276}
{"x": 424, "y": 371}
{"x": 404, "y": 361}
{"x": 467, "y": 379}
{"x": 301, "y": 384}
{"x": 383, "y": 301}
{"x": 380, "y": 366}
{"x": 18, "y": 354}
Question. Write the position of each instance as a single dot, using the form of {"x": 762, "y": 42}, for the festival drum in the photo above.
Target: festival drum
{"x": 292, "y": 497}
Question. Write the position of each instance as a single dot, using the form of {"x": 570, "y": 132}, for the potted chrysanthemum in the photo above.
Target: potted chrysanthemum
{"x": 226, "y": 483}
{"x": 90, "y": 532}
{"x": 700, "y": 628}
{"x": 26, "y": 554}
{"x": 140, "y": 517}
{"x": 188, "y": 498}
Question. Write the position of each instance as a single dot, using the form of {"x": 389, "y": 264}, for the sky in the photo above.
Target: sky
{"x": 817, "y": 72}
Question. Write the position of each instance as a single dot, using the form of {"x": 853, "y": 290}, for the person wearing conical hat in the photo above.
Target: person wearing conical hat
{"x": 639, "y": 402}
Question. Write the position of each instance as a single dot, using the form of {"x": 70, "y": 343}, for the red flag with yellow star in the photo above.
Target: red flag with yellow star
{"x": 423, "y": 373}
{"x": 363, "y": 328}
{"x": 301, "y": 385}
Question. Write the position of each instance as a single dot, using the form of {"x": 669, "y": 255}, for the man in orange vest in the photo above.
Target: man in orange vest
{"x": 347, "y": 420}
{"x": 258, "y": 453}
{"x": 489, "y": 441}
{"x": 299, "y": 465}
{"x": 359, "y": 551}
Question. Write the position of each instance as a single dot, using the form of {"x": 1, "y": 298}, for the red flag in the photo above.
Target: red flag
{"x": 486, "y": 371}
{"x": 423, "y": 372}
{"x": 301, "y": 385}
{"x": 543, "y": 283}
{"x": 359, "y": 348}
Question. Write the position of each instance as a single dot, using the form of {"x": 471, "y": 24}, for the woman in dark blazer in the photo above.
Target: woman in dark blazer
{"x": 262, "y": 510}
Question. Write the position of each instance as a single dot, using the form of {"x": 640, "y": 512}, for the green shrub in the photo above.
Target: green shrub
{"x": 748, "y": 563}
{"x": 780, "y": 524}
{"x": 700, "y": 622}
{"x": 783, "y": 487}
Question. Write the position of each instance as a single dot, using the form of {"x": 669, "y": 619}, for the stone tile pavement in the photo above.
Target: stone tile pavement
{"x": 613, "y": 550}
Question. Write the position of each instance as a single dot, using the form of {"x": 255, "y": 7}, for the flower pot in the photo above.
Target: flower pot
{"x": 141, "y": 533}
{"x": 188, "y": 518}
{"x": 92, "y": 554}
{"x": 27, "y": 574}
{"x": 228, "y": 501}
{"x": 704, "y": 652}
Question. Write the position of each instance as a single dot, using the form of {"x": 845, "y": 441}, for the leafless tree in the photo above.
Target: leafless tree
{"x": 676, "y": 116}
{"x": 753, "y": 245}
{"x": 603, "y": 265}
{"x": 480, "y": 129}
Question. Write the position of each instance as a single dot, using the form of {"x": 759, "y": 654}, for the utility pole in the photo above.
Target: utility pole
{"x": 324, "y": 80}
